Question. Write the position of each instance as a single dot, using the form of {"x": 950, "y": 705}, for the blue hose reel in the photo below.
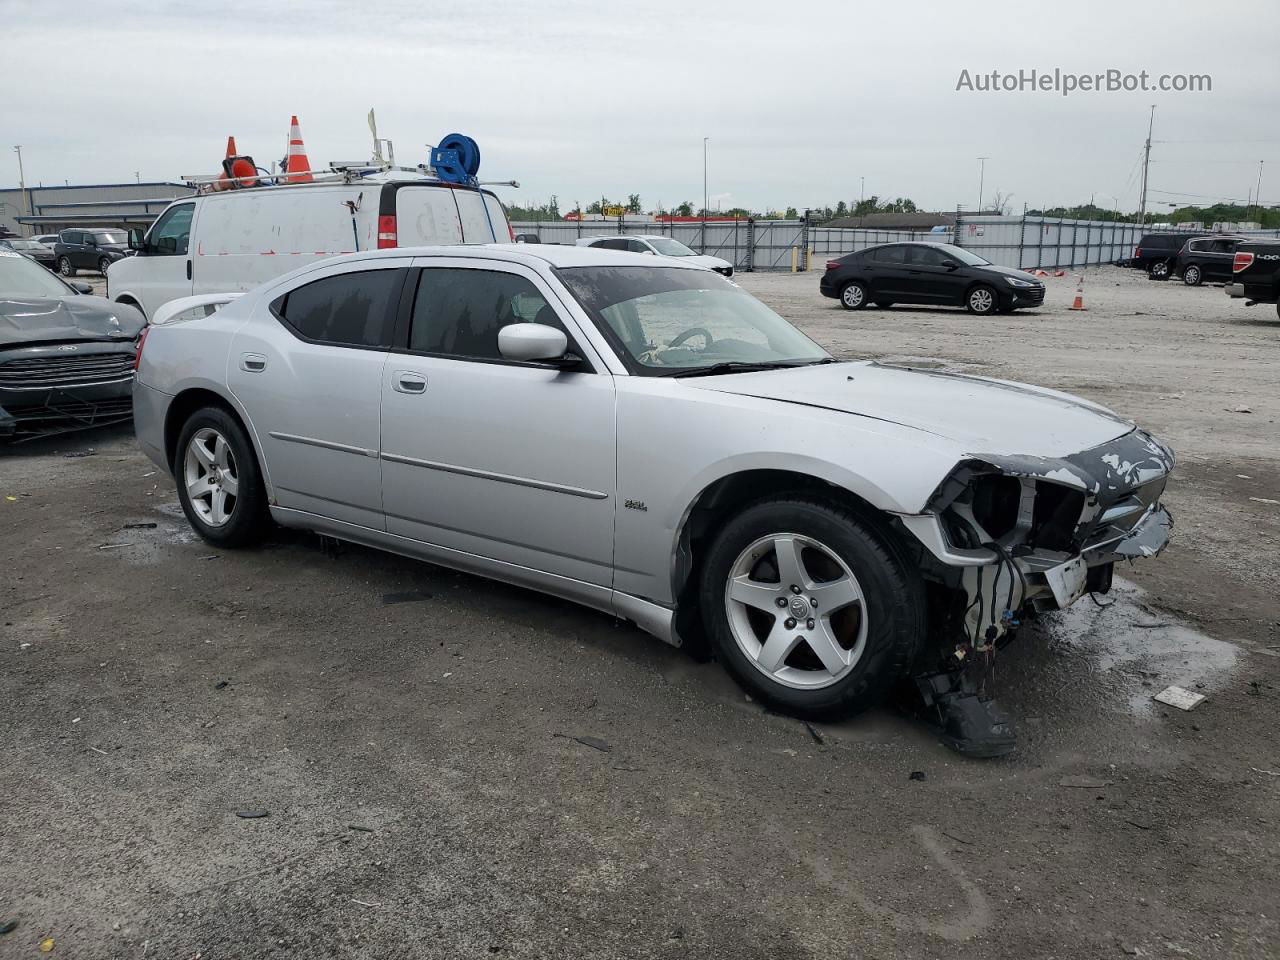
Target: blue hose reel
{"x": 456, "y": 159}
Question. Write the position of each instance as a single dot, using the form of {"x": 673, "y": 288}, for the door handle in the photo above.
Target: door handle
{"x": 188, "y": 269}
{"x": 253, "y": 362}
{"x": 406, "y": 381}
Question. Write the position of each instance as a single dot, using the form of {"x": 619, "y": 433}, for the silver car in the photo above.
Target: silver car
{"x": 645, "y": 438}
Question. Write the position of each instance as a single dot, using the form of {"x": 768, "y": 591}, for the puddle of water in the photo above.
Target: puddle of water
{"x": 1133, "y": 642}
{"x": 145, "y": 545}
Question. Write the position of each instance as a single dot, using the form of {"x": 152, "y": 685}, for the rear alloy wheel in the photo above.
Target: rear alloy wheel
{"x": 1159, "y": 270}
{"x": 65, "y": 268}
{"x": 982, "y": 301}
{"x": 103, "y": 263}
{"x": 1191, "y": 276}
{"x": 219, "y": 483}
{"x": 809, "y": 609}
{"x": 853, "y": 296}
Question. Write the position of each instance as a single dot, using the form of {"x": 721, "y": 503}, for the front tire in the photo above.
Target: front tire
{"x": 1192, "y": 276}
{"x": 65, "y": 268}
{"x": 219, "y": 483}
{"x": 810, "y": 608}
{"x": 853, "y": 295}
{"x": 982, "y": 300}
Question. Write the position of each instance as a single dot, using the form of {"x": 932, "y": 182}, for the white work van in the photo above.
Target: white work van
{"x": 232, "y": 241}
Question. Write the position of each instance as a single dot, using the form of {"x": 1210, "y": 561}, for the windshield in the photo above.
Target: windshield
{"x": 20, "y": 277}
{"x": 961, "y": 254}
{"x": 671, "y": 320}
{"x": 25, "y": 245}
{"x": 110, "y": 236}
{"x": 670, "y": 248}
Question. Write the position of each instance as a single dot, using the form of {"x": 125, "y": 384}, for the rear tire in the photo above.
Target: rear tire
{"x": 1192, "y": 276}
{"x": 853, "y": 295}
{"x": 103, "y": 264}
{"x": 839, "y": 640}
{"x": 982, "y": 301}
{"x": 219, "y": 483}
{"x": 65, "y": 268}
{"x": 1158, "y": 270}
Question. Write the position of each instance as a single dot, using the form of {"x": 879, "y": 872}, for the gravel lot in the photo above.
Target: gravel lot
{"x": 426, "y": 793}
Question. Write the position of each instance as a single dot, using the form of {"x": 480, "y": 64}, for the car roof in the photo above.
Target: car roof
{"x": 556, "y": 255}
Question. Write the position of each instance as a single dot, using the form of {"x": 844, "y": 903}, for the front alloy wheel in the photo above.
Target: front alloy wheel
{"x": 812, "y": 608}
{"x": 982, "y": 300}
{"x": 65, "y": 268}
{"x": 796, "y": 611}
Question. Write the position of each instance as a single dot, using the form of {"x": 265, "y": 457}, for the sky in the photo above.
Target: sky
{"x": 804, "y": 103}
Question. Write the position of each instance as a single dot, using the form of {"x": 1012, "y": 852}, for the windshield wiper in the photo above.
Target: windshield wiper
{"x": 745, "y": 366}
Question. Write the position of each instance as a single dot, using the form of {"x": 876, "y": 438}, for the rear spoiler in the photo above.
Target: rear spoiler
{"x": 209, "y": 301}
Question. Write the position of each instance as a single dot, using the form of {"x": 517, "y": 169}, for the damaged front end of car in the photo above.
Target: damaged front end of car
{"x": 1007, "y": 536}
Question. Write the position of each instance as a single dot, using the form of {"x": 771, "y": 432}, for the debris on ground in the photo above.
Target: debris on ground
{"x": 918, "y": 775}
{"x": 408, "y": 596}
{"x": 1180, "y": 697}
{"x": 356, "y": 826}
{"x": 46, "y": 944}
{"x": 222, "y": 684}
{"x": 8, "y": 927}
{"x": 77, "y": 454}
{"x": 1264, "y": 500}
{"x": 148, "y": 525}
{"x": 817, "y": 737}
{"x": 1243, "y": 408}
{"x": 252, "y": 814}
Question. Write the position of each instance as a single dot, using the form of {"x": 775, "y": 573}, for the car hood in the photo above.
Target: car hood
{"x": 25, "y": 320}
{"x": 983, "y": 416}
{"x": 704, "y": 261}
{"x": 1009, "y": 272}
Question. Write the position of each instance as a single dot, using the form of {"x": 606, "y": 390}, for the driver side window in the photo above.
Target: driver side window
{"x": 171, "y": 234}
{"x": 458, "y": 313}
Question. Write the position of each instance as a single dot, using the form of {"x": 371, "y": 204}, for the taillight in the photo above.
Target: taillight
{"x": 1137, "y": 252}
{"x": 142, "y": 339}
{"x": 833, "y": 264}
{"x": 386, "y": 233}
{"x": 511, "y": 233}
{"x": 1241, "y": 262}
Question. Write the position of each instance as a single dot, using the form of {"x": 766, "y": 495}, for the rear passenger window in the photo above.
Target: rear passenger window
{"x": 458, "y": 313}
{"x": 891, "y": 255}
{"x": 351, "y": 309}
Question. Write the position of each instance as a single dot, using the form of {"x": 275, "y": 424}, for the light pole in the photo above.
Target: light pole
{"x": 22, "y": 182}
{"x": 704, "y": 194}
{"x": 862, "y": 190}
{"x": 982, "y": 176}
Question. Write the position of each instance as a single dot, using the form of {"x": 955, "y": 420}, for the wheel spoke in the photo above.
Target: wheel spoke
{"x": 203, "y": 454}
{"x": 199, "y": 488}
{"x": 220, "y": 447}
{"x": 230, "y": 485}
{"x": 834, "y": 595}
{"x": 217, "y": 506}
{"x": 790, "y": 562}
{"x": 823, "y": 643}
{"x": 777, "y": 647}
{"x": 762, "y": 596}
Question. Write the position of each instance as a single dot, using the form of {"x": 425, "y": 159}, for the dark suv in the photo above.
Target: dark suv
{"x": 1206, "y": 258}
{"x": 932, "y": 273}
{"x": 90, "y": 249}
{"x": 1156, "y": 252}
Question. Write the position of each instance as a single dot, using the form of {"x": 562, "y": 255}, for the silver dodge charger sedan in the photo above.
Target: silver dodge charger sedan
{"x": 649, "y": 440}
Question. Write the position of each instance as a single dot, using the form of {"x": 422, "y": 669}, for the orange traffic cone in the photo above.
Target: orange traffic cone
{"x": 1078, "y": 303}
{"x": 237, "y": 171}
{"x": 297, "y": 168}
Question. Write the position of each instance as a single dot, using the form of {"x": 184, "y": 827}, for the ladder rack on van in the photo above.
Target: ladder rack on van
{"x": 341, "y": 172}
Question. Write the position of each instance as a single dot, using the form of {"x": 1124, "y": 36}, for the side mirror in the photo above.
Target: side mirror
{"x": 532, "y": 342}
{"x": 81, "y": 287}
{"x": 136, "y": 241}
{"x": 951, "y": 264}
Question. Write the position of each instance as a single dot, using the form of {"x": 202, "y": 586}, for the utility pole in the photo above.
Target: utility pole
{"x": 704, "y": 193}
{"x": 862, "y": 191}
{"x": 1146, "y": 162}
{"x": 1257, "y": 193}
{"x": 982, "y": 176}
{"x": 22, "y": 183}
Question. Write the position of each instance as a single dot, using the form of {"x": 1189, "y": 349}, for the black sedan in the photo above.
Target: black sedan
{"x": 34, "y": 249}
{"x": 928, "y": 273}
{"x": 66, "y": 359}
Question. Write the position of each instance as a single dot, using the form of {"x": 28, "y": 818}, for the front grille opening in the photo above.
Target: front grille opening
{"x": 995, "y": 502}
{"x": 1056, "y": 514}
